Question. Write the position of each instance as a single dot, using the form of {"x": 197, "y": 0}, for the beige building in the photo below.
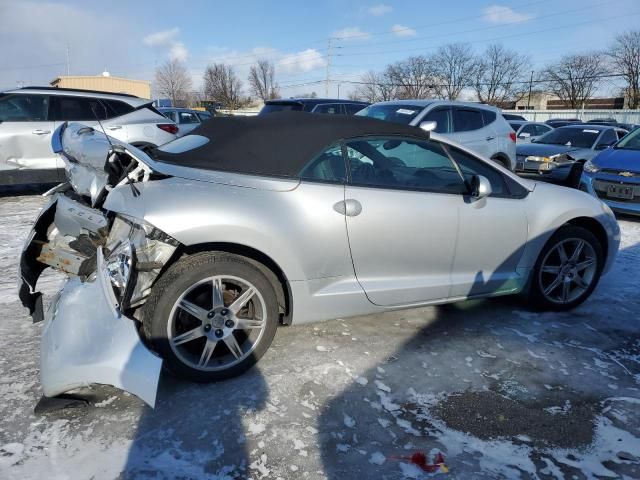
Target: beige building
{"x": 105, "y": 83}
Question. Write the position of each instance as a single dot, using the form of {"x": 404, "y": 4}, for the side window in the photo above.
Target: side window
{"x": 326, "y": 167}
{"x": 204, "y": 116}
{"x": 470, "y": 166}
{"x": 466, "y": 119}
{"x": 488, "y": 116}
{"x": 620, "y": 133}
{"x": 442, "y": 117}
{"x": 24, "y": 108}
{"x": 530, "y": 129}
{"x": 608, "y": 137}
{"x": 330, "y": 108}
{"x": 118, "y": 108}
{"x": 188, "y": 117}
{"x": 353, "y": 108}
{"x": 403, "y": 164}
{"x": 78, "y": 108}
{"x": 542, "y": 129}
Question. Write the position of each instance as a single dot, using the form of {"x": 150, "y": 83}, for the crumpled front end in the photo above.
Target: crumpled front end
{"x": 91, "y": 331}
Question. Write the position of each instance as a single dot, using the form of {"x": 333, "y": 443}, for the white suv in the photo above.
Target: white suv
{"x": 28, "y": 117}
{"x": 479, "y": 127}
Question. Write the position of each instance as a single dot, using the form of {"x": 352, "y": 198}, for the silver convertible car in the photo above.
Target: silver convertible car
{"x": 193, "y": 253}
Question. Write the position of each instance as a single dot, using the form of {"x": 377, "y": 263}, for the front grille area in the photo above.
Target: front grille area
{"x": 601, "y": 186}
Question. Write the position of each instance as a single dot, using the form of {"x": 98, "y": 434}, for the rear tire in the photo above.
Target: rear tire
{"x": 211, "y": 316}
{"x": 567, "y": 270}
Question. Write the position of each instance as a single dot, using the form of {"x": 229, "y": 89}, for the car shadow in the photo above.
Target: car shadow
{"x": 196, "y": 430}
{"x": 482, "y": 382}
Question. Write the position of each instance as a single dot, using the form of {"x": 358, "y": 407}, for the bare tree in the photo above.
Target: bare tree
{"x": 455, "y": 67}
{"x": 575, "y": 78}
{"x": 221, "y": 84}
{"x": 625, "y": 59}
{"x": 173, "y": 81}
{"x": 262, "y": 80}
{"x": 410, "y": 78}
{"x": 500, "y": 75}
{"x": 376, "y": 87}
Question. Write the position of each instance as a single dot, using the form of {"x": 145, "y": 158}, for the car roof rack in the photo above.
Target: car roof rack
{"x": 80, "y": 90}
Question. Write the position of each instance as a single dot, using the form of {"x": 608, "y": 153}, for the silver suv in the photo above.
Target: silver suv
{"x": 29, "y": 115}
{"x": 480, "y": 128}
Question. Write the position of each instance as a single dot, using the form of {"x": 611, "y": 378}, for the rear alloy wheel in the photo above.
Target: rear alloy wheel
{"x": 568, "y": 269}
{"x": 211, "y": 316}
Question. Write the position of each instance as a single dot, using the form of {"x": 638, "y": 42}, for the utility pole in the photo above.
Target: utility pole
{"x": 530, "y": 84}
{"x": 68, "y": 68}
{"x": 338, "y": 90}
{"x": 326, "y": 82}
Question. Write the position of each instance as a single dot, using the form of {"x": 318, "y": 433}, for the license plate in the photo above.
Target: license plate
{"x": 620, "y": 191}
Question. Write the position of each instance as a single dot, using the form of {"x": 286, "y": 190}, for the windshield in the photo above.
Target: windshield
{"x": 397, "y": 113}
{"x": 630, "y": 141}
{"x": 281, "y": 107}
{"x": 570, "y": 136}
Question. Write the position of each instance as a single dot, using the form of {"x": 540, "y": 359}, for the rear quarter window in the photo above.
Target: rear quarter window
{"x": 488, "y": 116}
{"x": 467, "y": 119}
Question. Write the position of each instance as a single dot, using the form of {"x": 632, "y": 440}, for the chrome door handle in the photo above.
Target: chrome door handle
{"x": 489, "y": 138}
{"x": 41, "y": 132}
{"x": 114, "y": 127}
{"x": 349, "y": 207}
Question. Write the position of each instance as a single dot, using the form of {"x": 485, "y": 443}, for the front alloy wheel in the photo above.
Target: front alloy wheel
{"x": 567, "y": 270}
{"x": 211, "y": 316}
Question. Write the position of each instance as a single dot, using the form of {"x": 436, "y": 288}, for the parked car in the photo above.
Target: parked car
{"x": 513, "y": 116}
{"x": 528, "y": 131}
{"x": 553, "y": 153}
{"x": 205, "y": 245}
{"x": 29, "y": 115}
{"x": 614, "y": 175}
{"x": 562, "y": 122}
{"x": 185, "y": 118}
{"x": 613, "y": 123}
{"x": 313, "y": 105}
{"x": 479, "y": 127}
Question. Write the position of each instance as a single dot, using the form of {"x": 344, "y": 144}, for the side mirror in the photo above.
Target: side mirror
{"x": 428, "y": 126}
{"x": 524, "y": 135}
{"x": 480, "y": 187}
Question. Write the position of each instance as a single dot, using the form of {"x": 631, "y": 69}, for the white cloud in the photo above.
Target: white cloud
{"x": 304, "y": 61}
{"x": 167, "y": 41}
{"x": 379, "y": 10}
{"x": 351, "y": 33}
{"x": 502, "y": 14}
{"x": 402, "y": 31}
{"x": 165, "y": 37}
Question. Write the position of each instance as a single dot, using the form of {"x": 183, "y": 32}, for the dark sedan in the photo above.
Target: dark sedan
{"x": 614, "y": 175}
{"x": 314, "y": 105}
{"x": 554, "y": 153}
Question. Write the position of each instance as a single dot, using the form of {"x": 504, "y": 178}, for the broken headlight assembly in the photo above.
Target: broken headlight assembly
{"x": 119, "y": 266}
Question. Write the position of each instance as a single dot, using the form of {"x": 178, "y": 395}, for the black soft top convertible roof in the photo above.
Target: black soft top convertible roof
{"x": 280, "y": 143}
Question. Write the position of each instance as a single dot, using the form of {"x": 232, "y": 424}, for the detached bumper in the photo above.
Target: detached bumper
{"x": 86, "y": 340}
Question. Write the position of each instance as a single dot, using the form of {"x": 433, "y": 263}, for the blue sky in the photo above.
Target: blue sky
{"x": 131, "y": 38}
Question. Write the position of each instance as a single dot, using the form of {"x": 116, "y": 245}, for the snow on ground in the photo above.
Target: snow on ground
{"x": 501, "y": 391}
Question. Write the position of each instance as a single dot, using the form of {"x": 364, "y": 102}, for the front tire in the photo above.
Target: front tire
{"x": 211, "y": 316}
{"x": 567, "y": 270}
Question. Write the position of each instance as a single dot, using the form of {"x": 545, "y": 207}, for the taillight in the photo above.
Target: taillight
{"x": 512, "y": 136}
{"x": 168, "y": 127}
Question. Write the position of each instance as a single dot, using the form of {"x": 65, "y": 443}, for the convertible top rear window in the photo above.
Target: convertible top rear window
{"x": 279, "y": 144}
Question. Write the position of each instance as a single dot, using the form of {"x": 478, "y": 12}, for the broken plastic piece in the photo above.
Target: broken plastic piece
{"x": 419, "y": 459}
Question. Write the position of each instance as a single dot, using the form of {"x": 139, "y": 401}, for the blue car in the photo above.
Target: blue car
{"x": 614, "y": 175}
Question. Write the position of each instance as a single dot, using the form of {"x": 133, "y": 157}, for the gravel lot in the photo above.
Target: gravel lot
{"x": 501, "y": 391}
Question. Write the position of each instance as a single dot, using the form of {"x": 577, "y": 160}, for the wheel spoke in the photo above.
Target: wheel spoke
{"x": 233, "y": 345}
{"x": 579, "y": 281}
{"x": 578, "y": 250}
{"x": 584, "y": 264}
{"x": 206, "y": 353}
{"x": 193, "y": 309}
{"x": 551, "y": 269}
{"x": 562, "y": 252}
{"x": 553, "y": 285}
{"x": 241, "y": 301}
{"x": 218, "y": 299}
{"x": 566, "y": 290}
{"x": 188, "y": 336}
{"x": 249, "y": 323}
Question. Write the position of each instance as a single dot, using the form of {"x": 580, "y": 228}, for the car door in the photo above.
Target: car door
{"x": 492, "y": 233}
{"x": 469, "y": 130}
{"x": 187, "y": 121}
{"x": 401, "y": 205}
{"x": 527, "y": 133}
{"x": 26, "y": 127}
